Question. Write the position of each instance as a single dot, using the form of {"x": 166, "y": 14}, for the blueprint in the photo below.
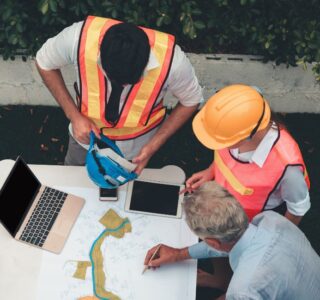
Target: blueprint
{"x": 71, "y": 275}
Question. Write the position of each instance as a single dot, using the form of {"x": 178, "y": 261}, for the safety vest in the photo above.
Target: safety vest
{"x": 139, "y": 113}
{"x": 252, "y": 185}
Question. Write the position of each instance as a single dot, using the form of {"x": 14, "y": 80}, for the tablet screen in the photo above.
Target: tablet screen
{"x": 155, "y": 198}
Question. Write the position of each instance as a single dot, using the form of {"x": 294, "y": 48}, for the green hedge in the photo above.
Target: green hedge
{"x": 285, "y": 31}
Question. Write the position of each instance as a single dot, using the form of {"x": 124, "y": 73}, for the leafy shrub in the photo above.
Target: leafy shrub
{"x": 283, "y": 31}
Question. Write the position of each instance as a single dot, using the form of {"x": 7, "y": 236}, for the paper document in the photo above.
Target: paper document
{"x": 118, "y": 159}
{"x": 98, "y": 256}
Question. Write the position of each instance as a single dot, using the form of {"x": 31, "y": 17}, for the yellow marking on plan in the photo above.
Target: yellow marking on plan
{"x": 81, "y": 270}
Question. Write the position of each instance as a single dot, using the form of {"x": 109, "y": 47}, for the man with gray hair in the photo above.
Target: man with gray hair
{"x": 270, "y": 257}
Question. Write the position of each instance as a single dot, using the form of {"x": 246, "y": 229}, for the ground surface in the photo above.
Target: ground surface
{"x": 39, "y": 134}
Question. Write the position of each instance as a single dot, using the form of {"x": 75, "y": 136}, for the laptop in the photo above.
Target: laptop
{"x": 36, "y": 214}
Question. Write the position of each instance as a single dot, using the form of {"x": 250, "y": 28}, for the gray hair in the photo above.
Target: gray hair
{"x": 211, "y": 212}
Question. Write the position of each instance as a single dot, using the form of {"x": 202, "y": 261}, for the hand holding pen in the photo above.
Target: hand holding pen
{"x": 153, "y": 252}
{"x": 162, "y": 254}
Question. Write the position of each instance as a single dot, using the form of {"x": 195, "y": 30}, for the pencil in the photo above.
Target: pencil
{"x": 151, "y": 258}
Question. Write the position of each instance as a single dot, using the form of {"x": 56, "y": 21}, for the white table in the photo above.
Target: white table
{"x": 20, "y": 263}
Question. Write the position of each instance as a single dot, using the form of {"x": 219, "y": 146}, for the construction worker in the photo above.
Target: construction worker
{"x": 124, "y": 72}
{"x": 255, "y": 158}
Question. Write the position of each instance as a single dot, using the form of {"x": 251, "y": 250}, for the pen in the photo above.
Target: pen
{"x": 151, "y": 258}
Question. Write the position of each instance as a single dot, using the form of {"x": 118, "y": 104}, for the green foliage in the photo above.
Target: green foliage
{"x": 283, "y": 31}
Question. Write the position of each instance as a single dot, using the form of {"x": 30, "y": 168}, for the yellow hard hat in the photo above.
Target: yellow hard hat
{"x": 232, "y": 114}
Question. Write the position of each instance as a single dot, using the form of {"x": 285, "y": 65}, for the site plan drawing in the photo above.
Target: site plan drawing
{"x": 103, "y": 257}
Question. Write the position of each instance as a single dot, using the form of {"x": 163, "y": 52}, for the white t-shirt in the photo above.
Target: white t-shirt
{"x": 292, "y": 188}
{"x": 61, "y": 50}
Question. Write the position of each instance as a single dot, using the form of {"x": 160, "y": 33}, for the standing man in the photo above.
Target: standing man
{"x": 270, "y": 257}
{"x": 124, "y": 73}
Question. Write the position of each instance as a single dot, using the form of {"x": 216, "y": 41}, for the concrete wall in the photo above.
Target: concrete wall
{"x": 287, "y": 89}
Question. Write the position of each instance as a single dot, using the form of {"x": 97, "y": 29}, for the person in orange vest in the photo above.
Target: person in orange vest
{"x": 255, "y": 158}
{"x": 124, "y": 72}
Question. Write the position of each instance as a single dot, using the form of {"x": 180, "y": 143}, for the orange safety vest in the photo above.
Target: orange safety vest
{"x": 139, "y": 113}
{"x": 252, "y": 185}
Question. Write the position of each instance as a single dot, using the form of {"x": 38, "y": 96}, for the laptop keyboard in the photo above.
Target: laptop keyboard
{"x": 43, "y": 217}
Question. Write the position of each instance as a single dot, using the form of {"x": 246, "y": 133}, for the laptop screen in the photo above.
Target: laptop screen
{"x": 16, "y": 195}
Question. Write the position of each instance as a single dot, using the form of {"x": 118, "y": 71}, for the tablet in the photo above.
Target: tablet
{"x": 154, "y": 198}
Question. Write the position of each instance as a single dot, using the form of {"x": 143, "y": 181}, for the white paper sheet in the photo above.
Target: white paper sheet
{"x": 123, "y": 258}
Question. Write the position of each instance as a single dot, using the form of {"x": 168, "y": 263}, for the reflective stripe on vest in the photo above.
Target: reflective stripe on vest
{"x": 139, "y": 113}
{"x": 252, "y": 185}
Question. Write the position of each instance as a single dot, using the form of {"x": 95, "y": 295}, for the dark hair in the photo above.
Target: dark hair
{"x": 124, "y": 53}
{"x": 278, "y": 119}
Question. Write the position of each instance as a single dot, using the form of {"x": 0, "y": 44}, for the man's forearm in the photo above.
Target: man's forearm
{"x": 54, "y": 81}
{"x": 293, "y": 218}
{"x": 183, "y": 254}
{"x": 176, "y": 119}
